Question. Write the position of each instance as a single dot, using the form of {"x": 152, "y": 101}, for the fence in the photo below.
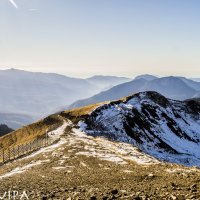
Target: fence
{"x": 10, "y": 154}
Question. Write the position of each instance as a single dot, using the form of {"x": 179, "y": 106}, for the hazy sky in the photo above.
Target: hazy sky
{"x": 87, "y": 37}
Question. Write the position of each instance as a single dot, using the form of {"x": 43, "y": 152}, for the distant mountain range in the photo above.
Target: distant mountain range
{"x": 196, "y": 79}
{"x": 107, "y": 82}
{"x": 147, "y": 77}
{"x": 178, "y": 88}
{"x": 32, "y": 95}
{"x": 4, "y": 129}
{"x": 29, "y": 96}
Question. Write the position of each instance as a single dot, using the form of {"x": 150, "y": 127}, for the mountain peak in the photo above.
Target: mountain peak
{"x": 147, "y": 77}
{"x": 153, "y": 96}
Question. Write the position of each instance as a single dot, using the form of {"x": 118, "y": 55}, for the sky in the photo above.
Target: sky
{"x": 82, "y": 38}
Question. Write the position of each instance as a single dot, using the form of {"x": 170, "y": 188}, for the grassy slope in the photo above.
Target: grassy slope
{"x": 30, "y": 132}
{"x": 78, "y": 113}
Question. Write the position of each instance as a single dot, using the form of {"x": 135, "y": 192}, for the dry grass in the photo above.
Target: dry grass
{"x": 77, "y": 112}
{"x": 30, "y": 132}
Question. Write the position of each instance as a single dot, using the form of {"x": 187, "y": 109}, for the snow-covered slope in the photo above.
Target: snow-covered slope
{"x": 166, "y": 129}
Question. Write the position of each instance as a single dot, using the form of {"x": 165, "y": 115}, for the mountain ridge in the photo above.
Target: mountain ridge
{"x": 171, "y": 87}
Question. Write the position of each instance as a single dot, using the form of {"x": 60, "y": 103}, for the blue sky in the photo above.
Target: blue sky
{"x": 87, "y": 37}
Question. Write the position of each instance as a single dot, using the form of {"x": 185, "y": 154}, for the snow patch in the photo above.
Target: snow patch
{"x": 104, "y": 149}
{"x": 58, "y": 168}
{"x": 56, "y": 134}
{"x": 59, "y": 131}
{"x": 20, "y": 170}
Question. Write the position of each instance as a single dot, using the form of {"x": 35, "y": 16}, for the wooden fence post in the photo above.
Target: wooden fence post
{"x": 23, "y": 149}
{"x": 46, "y": 137}
{"x": 13, "y": 153}
{"x": 3, "y": 155}
{"x": 8, "y": 153}
{"x": 18, "y": 150}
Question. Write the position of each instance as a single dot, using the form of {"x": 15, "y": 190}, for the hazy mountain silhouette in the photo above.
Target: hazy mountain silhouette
{"x": 171, "y": 87}
{"x": 36, "y": 94}
{"x": 106, "y": 82}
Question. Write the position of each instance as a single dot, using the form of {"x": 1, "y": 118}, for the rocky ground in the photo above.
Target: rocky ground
{"x": 83, "y": 167}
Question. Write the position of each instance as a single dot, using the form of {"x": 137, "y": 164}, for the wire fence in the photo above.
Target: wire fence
{"x": 10, "y": 154}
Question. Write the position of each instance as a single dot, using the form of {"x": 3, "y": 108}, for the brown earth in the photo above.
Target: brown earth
{"x": 66, "y": 174}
